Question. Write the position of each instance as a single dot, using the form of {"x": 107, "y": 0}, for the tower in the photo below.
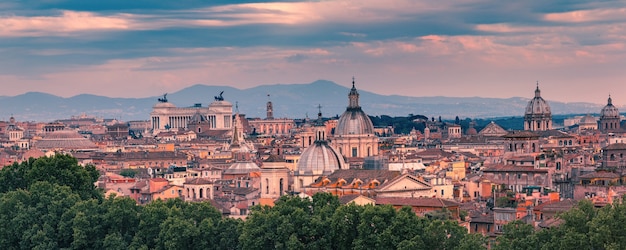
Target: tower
{"x": 270, "y": 108}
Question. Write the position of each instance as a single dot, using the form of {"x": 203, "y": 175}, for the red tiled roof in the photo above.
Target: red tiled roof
{"x": 512, "y": 168}
{"x": 416, "y": 202}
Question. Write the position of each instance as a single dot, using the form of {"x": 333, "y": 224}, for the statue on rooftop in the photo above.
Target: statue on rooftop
{"x": 164, "y": 99}
{"x": 219, "y": 97}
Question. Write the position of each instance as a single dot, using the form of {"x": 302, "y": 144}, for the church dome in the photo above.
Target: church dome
{"x": 320, "y": 159}
{"x": 538, "y": 106}
{"x": 65, "y": 139}
{"x": 609, "y": 111}
{"x": 354, "y": 121}
{"x": 587, "y": 120}
{"x": 198, "y": 118}
{"x": 242, "y": 167}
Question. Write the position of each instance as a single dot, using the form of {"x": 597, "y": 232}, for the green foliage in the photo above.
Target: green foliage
{"x": 62, "y": 170}
{"x": 51, "y": 203}
{"x": 130, "y": 173}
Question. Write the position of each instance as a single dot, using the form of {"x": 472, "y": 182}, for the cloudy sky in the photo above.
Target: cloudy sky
{"x": 491, "y": 48}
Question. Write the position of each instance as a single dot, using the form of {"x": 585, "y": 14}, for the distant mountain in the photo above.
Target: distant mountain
{"x": 290, "y": 100}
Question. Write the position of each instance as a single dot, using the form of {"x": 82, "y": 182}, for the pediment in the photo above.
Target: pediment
{"x": 405, "y": 182}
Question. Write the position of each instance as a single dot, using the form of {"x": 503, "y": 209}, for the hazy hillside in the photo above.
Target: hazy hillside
{"x": 290, "y": 100}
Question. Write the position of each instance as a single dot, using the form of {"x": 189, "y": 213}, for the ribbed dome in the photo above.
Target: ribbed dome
{"x": 609, "y": 111}
{"x": 538, "y": 106}
{"x": 244, "y": 167}
{"x": 354, "y": 121}
{"x": 65, "y": 139}
{"x": 320, "y": 159}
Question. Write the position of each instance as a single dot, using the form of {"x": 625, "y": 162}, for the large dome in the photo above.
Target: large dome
{"x": 354, "y": 121}
{"x": 538, "y": 106}
{"x": 320, "y": 159}
{"x": 65, "y": 139}
{"x": 609, "y": 111}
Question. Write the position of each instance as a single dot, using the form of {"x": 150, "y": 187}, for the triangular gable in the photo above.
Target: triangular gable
{"x": 404, "y": 183}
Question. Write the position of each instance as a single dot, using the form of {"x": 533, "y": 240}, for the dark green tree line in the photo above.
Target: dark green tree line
{"x": 51, "y": 203}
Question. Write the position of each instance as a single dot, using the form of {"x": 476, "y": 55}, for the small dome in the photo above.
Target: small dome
{"x": 243, "y": 167}
{"x": 588, "y": 120}
{"x": 609, "y": 111}
{"x": 471, "y": 131}
{"x": 538, "y": 106}
{"x": 198, "y": 118}
{"x": 320, "y": 159}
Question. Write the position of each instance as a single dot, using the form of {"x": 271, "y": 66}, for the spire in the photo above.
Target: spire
{"x": 237, "y": 130}
{"x": 319, "y": 121}
{"x": 610, "y": 101}
{"x": 537, "y": 91}
{"x": 353, "y": 97}
{"x": 320, "y": 129}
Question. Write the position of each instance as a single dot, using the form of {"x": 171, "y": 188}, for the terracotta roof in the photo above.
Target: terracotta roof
{"x": 521, "y": 134}
{"x": 552, "y": 222}
{"x": 198, "y": 181}
{"x": 274, "y": 158}
{"x": 345, "y": 199}
{"x": 556, "y": 206}
{"x": 512, "y": 168}
{"x": 416, "y": 202}
{"x": 482, "y": 218}
{"x": 349, "y": 175}
{"x": 600, "y": 174}
{"x": 616, "y": 146}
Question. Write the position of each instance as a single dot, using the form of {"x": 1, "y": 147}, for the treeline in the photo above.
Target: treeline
{"x": 583, "y": 227}
{"x": 51, "y": 203}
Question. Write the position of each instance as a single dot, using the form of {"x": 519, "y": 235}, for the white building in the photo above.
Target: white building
{"x": 166, "y": 116}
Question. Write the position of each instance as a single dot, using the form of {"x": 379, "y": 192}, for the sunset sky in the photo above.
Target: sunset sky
{"x": 139, "y": 48}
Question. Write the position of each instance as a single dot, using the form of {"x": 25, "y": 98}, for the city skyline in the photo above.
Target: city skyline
{"x": 575, "y": 50}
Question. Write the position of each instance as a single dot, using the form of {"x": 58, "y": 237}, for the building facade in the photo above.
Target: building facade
{"x": 166, "y": 116}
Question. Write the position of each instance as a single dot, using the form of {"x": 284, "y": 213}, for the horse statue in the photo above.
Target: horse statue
{"x": 219, "y": 97}
{"x": 164, "y": 99}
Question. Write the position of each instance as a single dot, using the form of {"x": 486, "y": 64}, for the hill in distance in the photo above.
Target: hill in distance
{"x": 290, "y": 100}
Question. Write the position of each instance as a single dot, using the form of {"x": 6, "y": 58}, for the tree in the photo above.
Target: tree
{"x": 130, "y": 173}
{"x": 517, "y": 235}
{"x": 59, "y": 169}
{"x": 30, "y": 217}
{"x": 472, "y": 242}
{"x": 344, "y": 221}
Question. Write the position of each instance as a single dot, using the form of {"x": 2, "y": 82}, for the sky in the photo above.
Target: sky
{"x": 574, "y": 50}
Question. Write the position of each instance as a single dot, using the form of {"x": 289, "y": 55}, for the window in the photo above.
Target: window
{"x": 354, "y": 152}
